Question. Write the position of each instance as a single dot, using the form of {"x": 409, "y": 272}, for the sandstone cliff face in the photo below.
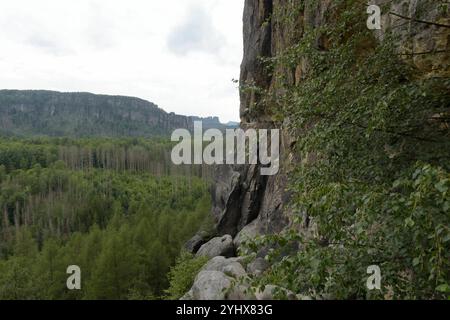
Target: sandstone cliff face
{"x": 246, "y": 204}
{"x": 242, "y": 197}
{"x": 408, "y": 19}
{"x": 83, "y": 114}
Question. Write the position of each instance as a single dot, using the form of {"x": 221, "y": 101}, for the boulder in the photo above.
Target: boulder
{"x": 220, "y": 246}
{"x": 210, "y": 285}
{"x": 216, "y": 277}
{"x": 194, "y": 244}
{"x": 188, "y": 296}
{"x": 230, "y": 267}
{"x": 247, "y": 233}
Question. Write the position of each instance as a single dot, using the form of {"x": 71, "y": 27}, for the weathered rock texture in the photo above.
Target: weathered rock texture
{"x": 215, "y": 279}
{"x": 220, "y": 246}
{"x": 417, "y": 38}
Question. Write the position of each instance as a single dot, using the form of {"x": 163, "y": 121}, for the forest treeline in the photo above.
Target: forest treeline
{"x": 118, "y": 154}
{"x": 117, "y": 208}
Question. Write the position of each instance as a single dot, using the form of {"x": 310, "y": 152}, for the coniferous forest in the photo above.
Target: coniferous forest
{"x": 116, "y": 208}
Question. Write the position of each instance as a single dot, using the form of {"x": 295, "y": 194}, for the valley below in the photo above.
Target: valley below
{"x": 112, "y": 204}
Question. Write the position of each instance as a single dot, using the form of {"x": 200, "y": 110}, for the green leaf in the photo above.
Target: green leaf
{"x": 441, "y": 187}
{"x": 446, "y": 238}
{"x": 409, "y": 222}
{"x": 444, "y": 288}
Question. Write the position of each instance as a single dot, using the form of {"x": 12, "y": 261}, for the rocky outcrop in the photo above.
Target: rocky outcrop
{"x": 416, "y": 22}
{"x": 249, "y": 232}
{"x": 195, "y": 243}
{"x": 246, "y": 204}
{"x": 220, "y": 246}
{"x": 232, "y": 267}
{"x": 217, "y": 280}
{"x": 77, "y": 114}
{"x": 237, "y": 197}
{"x": 209, "y": 285}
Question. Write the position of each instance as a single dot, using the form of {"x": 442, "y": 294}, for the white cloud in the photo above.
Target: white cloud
{"x": 180, "y": 54}
{"x": 196, "y": 34}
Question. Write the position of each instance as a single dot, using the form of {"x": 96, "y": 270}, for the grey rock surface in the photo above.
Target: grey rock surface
{"x": 249, "y": 232}
{"x": 228, "y": 266}
{"x": 220, "y": 246}
{"x": 210, "y": 285}
{"x": 194, "y": 244}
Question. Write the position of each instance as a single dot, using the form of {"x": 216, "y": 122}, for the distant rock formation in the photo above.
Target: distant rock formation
{"x": 49, "y": 113}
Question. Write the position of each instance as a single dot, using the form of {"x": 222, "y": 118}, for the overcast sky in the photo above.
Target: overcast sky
{"x": 179, "y": 54}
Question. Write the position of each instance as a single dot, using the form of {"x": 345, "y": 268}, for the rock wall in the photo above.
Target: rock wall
{"x": 243, "y": 198}
{"x": 245, "y": 203}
